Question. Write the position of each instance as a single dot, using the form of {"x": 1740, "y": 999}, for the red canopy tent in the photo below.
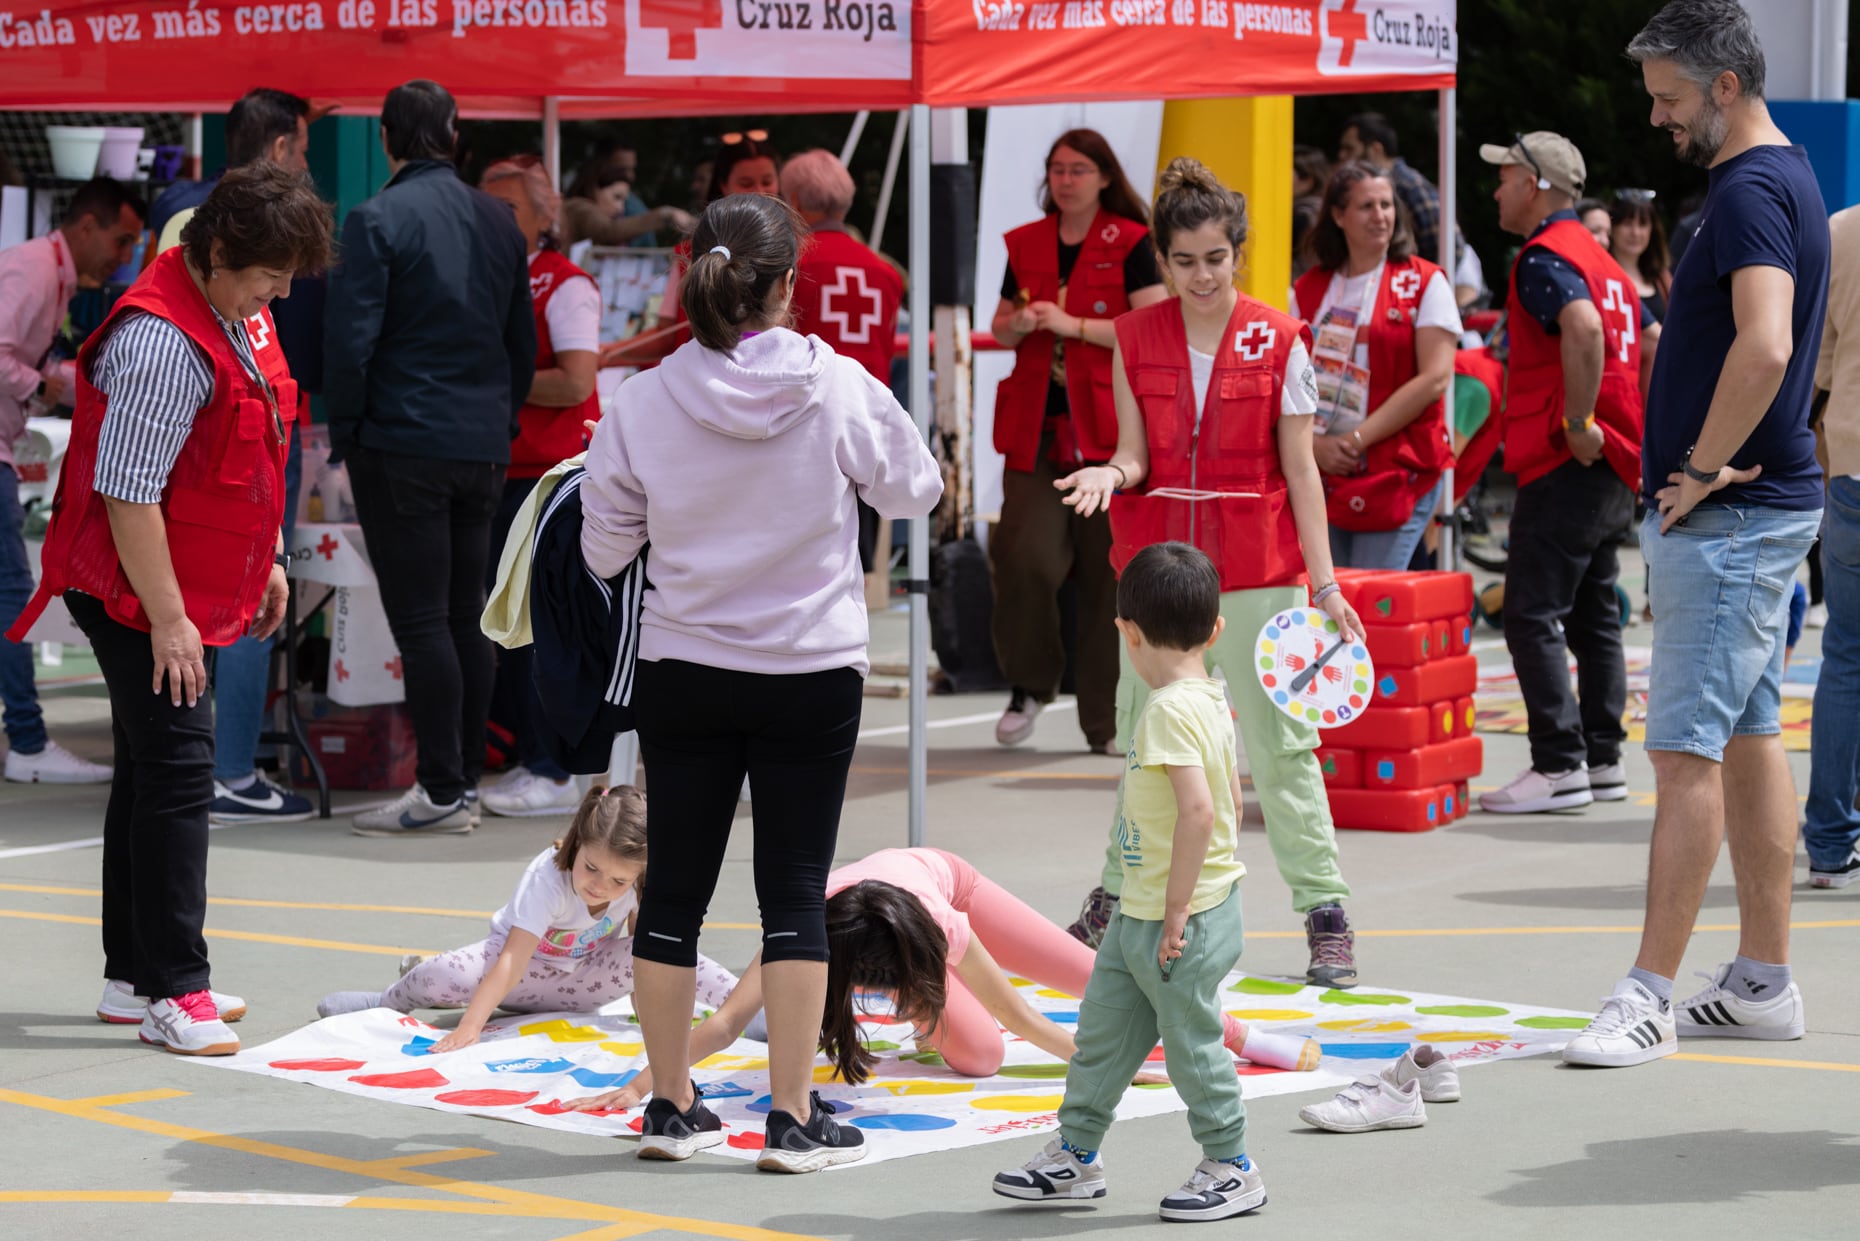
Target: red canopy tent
{"x": 616, "y": 58}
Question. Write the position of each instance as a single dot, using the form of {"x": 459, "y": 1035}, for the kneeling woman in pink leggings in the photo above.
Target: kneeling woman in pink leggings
{"x": 924, "y": 927}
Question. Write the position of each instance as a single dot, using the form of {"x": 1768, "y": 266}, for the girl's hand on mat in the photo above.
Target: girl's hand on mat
{"x": 455, "y": 1041}
{"x": 1147, "y": 1078}
{"x": 629, "y": 1095}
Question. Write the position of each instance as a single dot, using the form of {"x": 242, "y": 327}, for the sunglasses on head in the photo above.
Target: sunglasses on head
{"x": 1543, "y": 182}
{"x": 1635, "y": 196}
{"x": 739, "y": 136}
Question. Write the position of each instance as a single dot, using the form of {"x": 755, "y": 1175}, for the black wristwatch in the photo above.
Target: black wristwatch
{"x": 283, "y": 561}
{"x": 1697, "y": 475}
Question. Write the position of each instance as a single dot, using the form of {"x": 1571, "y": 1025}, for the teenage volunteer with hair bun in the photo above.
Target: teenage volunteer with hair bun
{"x": 740, "y": 458}
{"x": 1215, "y": 394}
{"x": 1069, "y": 274}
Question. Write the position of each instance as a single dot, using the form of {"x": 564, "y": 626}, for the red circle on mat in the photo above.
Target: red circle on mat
{"x": 745, "y": 1141}
{"x": 1255, "y": 1070}
{"x": 1356, "y": 700}
{"x": 1268, "y": 680}
{"x": 317, "y": 1066}
{"x": 486, "y": 1098}
{"x": 417, "y": 1079}
{"x": 555, "y": 1107}
{"x": 636, "y": 1124}
{"x": 1155, "y": 1057}
{"x": 1330, "y": 717}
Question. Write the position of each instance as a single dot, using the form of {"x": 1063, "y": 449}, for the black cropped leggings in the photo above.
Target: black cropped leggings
{"x": 701, "y": 731}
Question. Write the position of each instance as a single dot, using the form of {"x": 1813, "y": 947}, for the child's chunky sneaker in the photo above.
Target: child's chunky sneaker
{"x": 1835, "y": 876}
{"x": 1439, "y": 1080}
{"x": 790, "y": 1146}
{"x": 1056, "y": 1172}
{"x": 1333, "y": 948}
{"x": 1634, "y": 1026}
{"x": 188, "y": 1025}
{"x": 121, "y": 1006}
{"x": 668, "y": 1133}
{"x": 1370, "y": 1104}
{"x": 1216, "y": 1189}
{"x": 414, "y": 813}
{"x": 1094, "y": 917}
{"x": 1719, "y": 1012}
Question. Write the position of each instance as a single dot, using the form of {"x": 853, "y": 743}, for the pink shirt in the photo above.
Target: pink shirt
{"x": 942, "y": 882}
{"x": 37, "y": 281}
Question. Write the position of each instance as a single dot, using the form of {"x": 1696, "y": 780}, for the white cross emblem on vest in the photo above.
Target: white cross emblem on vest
{"x": 259, "y": 329}
{"x": 1258, "y": 338}
{"x": 868, "y": 312}
{"x": 1405, "y": 284}
{"x": 1615, "y": 299}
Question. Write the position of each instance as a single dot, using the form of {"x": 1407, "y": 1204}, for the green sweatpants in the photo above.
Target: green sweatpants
{"x": 1127, "y": 1005}
{"x": 1279, "y": 749}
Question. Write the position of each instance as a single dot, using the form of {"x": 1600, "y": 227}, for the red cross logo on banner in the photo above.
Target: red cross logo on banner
{"x": 393, "y": 667}
{"x": 342, "y": 673}
{"x": 1405, "y": 284}
{"x": 853, "y": 332}
{"x": 259, "y": 330}
{"x": 1258, "y": 338}
{"x": 681, "y": 20}
{"x": 1349, "y": 26}
{"x": 328, "y": 547}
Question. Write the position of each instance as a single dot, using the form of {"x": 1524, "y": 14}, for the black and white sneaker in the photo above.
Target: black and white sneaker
{"x": 1719, "y": 1012}
{"x": 790, "y": 1146}
{"x": 1216, "y": 1189}
{"x": 1838, "y": 876}
{"x": 260, "y": 801}
{"x": 668, "y": 1133}
{"x": 1608, "y": 782}
{"x": 1056, "y": 1172}
{"x": 1633, "y": 1027}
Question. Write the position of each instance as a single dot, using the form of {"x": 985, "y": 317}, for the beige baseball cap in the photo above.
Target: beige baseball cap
{"x": 1552, "y": 157}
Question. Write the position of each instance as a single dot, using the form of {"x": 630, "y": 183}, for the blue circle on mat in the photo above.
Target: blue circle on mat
{"x": 1359, "y": 652}
{"x": 1298, "y": 618}
{"x": 766, "y": 1104}
{"x": 905, "y": 1122}
{"x": 1272, "y": 631}
{"x": 1065, "y": 1018}
{"x": 1278, "y": 696}
{"x": 1365, "y": 1051}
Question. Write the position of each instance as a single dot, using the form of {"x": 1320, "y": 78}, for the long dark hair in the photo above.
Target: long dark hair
{"x": 879, "y": 938}
{"x": 1655, "y": 259}
{"x": 1117, "y": 197}
{"x": 1326, "y": 245}
{"x": 742, "y": 245}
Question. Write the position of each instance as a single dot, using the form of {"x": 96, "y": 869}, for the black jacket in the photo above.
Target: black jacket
{"x": 431, "y": 342}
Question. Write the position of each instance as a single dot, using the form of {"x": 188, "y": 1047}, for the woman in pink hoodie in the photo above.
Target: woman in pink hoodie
{"x": 740, "y": 459}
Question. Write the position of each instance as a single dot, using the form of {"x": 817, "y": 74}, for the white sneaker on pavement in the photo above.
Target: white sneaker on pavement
{"x": 524, "y": 794}
{"x": 1369, "y": 1104}
{"x": 1439, "y": 1079}
{"x": 413, "y": 813}
{"x": 54, "y": 765}
{"x": 1052, "y": 1174}
{"x": 1634, "y": 1026}
{"x": 1016, "y": 723}
{"x": 121, "y": 1006}
{"x": 1537, "y": 791}
{"x": 188, "y": 1025}
{"x": 1608, "y": 783}
{"x": 1719, "y": 1012}
{"x": 1216, "y": 1189}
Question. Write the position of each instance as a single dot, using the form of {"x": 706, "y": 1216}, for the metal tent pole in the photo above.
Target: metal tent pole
{"x": 1449, "y": 230}
{"x": 852, "y": 138}
{"x": 552, "y": 139}
{"x": 920, "y": 413}
{"x": 898, "y": 132}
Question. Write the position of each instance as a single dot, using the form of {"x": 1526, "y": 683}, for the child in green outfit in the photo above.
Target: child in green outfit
{"x": 1178, "y": 930}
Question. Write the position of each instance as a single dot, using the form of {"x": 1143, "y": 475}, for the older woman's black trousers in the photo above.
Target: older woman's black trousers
{"x": 155, "y": 830}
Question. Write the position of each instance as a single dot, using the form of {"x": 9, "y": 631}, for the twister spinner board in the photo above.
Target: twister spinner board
{"x": 1288, "y": 645}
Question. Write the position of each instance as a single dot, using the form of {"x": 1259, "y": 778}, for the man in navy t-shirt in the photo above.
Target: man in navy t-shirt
{"x": 1734, "y": 498}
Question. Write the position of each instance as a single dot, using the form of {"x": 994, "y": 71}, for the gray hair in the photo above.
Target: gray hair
{"x": 1704, "y": 38}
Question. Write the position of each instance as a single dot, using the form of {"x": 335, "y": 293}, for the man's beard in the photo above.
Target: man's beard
{"x": 1705, "y": 137}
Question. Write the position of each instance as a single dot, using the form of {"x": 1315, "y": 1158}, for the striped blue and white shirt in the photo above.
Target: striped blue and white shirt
{"x": 157, "y": 381}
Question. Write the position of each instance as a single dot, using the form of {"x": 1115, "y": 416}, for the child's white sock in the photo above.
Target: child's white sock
{"x": 1278, "y": 1051}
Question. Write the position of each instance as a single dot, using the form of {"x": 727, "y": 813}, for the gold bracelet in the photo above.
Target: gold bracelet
{"x": 1082, "y": 323}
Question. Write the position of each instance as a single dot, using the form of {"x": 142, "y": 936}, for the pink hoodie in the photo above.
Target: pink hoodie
{"x": 740, "y": 469}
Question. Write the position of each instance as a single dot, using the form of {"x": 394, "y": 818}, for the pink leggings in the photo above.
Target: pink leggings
{"x": 1023, "y": 943}
{"x": 450, "y": 979}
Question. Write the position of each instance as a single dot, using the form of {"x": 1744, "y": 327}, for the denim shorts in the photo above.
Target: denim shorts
{"x": 1719, "y": 585}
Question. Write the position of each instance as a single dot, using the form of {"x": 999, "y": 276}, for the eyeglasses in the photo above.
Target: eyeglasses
{"x": 750, "y": 135}
{"x": 1543, "y": 182}
{"x": 1635, "y": 196}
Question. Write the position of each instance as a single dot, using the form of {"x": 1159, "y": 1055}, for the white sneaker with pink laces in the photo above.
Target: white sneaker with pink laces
{"x": 188, "y": 1025}
{"x": 121, "y": 1005}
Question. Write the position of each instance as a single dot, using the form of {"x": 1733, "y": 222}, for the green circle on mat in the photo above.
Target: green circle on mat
{"x": 1554, "y": 1023}
{"x": 1032, "y": 1070}
{"x": 1311, "y": 714}
{"x": 1334, "y": 996}
{"x": 1361, "y": 687}
{"x": 1154, "y": 1085}
{"x": 880, "y": 1045}
{"x": 1463, "y": 1010}
{"x": 1265, "y": 663}
{"x": 930, "y": 1058}
{"x": 1266, "y": 986}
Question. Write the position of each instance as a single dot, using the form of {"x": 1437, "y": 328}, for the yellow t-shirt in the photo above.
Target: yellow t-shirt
{"x": 1184, "y": 724}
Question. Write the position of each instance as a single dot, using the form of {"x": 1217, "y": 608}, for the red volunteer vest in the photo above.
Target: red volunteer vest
{"x": 1534, "y": 439}
{"x": 548, "y": 434}
{"x": 1095, "y": 290}
{"x": 848, "y": 296}
{"x": 1195, "y": 471}
{"x": 1402, "y": 468}
{"x": 1481, "y": 367}
{"x": 224, "y": 500}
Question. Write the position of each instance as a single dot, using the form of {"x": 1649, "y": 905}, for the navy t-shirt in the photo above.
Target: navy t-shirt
{"x": 1764, "y": 209}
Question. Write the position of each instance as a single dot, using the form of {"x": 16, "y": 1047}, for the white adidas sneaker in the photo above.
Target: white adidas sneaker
{"x": 1634, "y": 1026}
{"x": 1719, "y": 1012}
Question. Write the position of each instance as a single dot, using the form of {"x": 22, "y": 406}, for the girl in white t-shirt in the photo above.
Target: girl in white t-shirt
{"x": 562, "y": 944}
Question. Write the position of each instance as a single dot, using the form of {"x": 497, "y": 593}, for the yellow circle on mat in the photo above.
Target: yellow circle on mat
{"x": 723, "y": 1060}
{"x": 1461, "y": 1036}
{"x": 560, "y": 1031}
{"x": 825, "y": 1073}
{"x": 925, "y": 1087}
{"x": 1021, "y": 982}
{"x": 1363, "y": 1025}
{"x": 1051, "y": 994}
{"x": 624, "y": 1049}
{"x": 1268, "y": 1014}
{"x": 1018, "y": 1102}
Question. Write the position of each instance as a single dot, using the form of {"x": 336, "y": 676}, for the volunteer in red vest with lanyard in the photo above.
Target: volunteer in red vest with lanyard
{"x": 1385, "y": 329}
{"x": 552, "y": 427}
{"x": 165, "y": 541}
{"x": 1069, "y": 274}
{"x": 1572, "y": 436}
{"x": 844, "y": 291}
{"x": 1215, "y": 394}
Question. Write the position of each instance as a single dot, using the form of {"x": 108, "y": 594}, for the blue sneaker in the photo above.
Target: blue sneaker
{"x": 413, "y": 813}
{"x": 261, "y": 801}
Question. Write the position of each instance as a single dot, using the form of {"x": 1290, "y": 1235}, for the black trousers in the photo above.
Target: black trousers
{"x": 701, "y": 730}
{"x": 1560, "y": 592}
{"x": 155, "y": 829}
{"x": 428, "y": 526}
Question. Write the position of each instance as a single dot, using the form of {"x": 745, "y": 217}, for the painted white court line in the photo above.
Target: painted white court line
{"x": 956, "y": 721}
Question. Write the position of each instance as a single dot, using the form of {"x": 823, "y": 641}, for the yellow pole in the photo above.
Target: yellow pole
{"x": 1248, "y": 145}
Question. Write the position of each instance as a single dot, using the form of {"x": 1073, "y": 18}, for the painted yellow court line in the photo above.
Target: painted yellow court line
{"x": 257, "y": 937}
{"x": 421, "y": 1159}
{"x": 138, "y": 1096}
{"x": 492, "y": 1199}
{"x": 1827, "y": 1066}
